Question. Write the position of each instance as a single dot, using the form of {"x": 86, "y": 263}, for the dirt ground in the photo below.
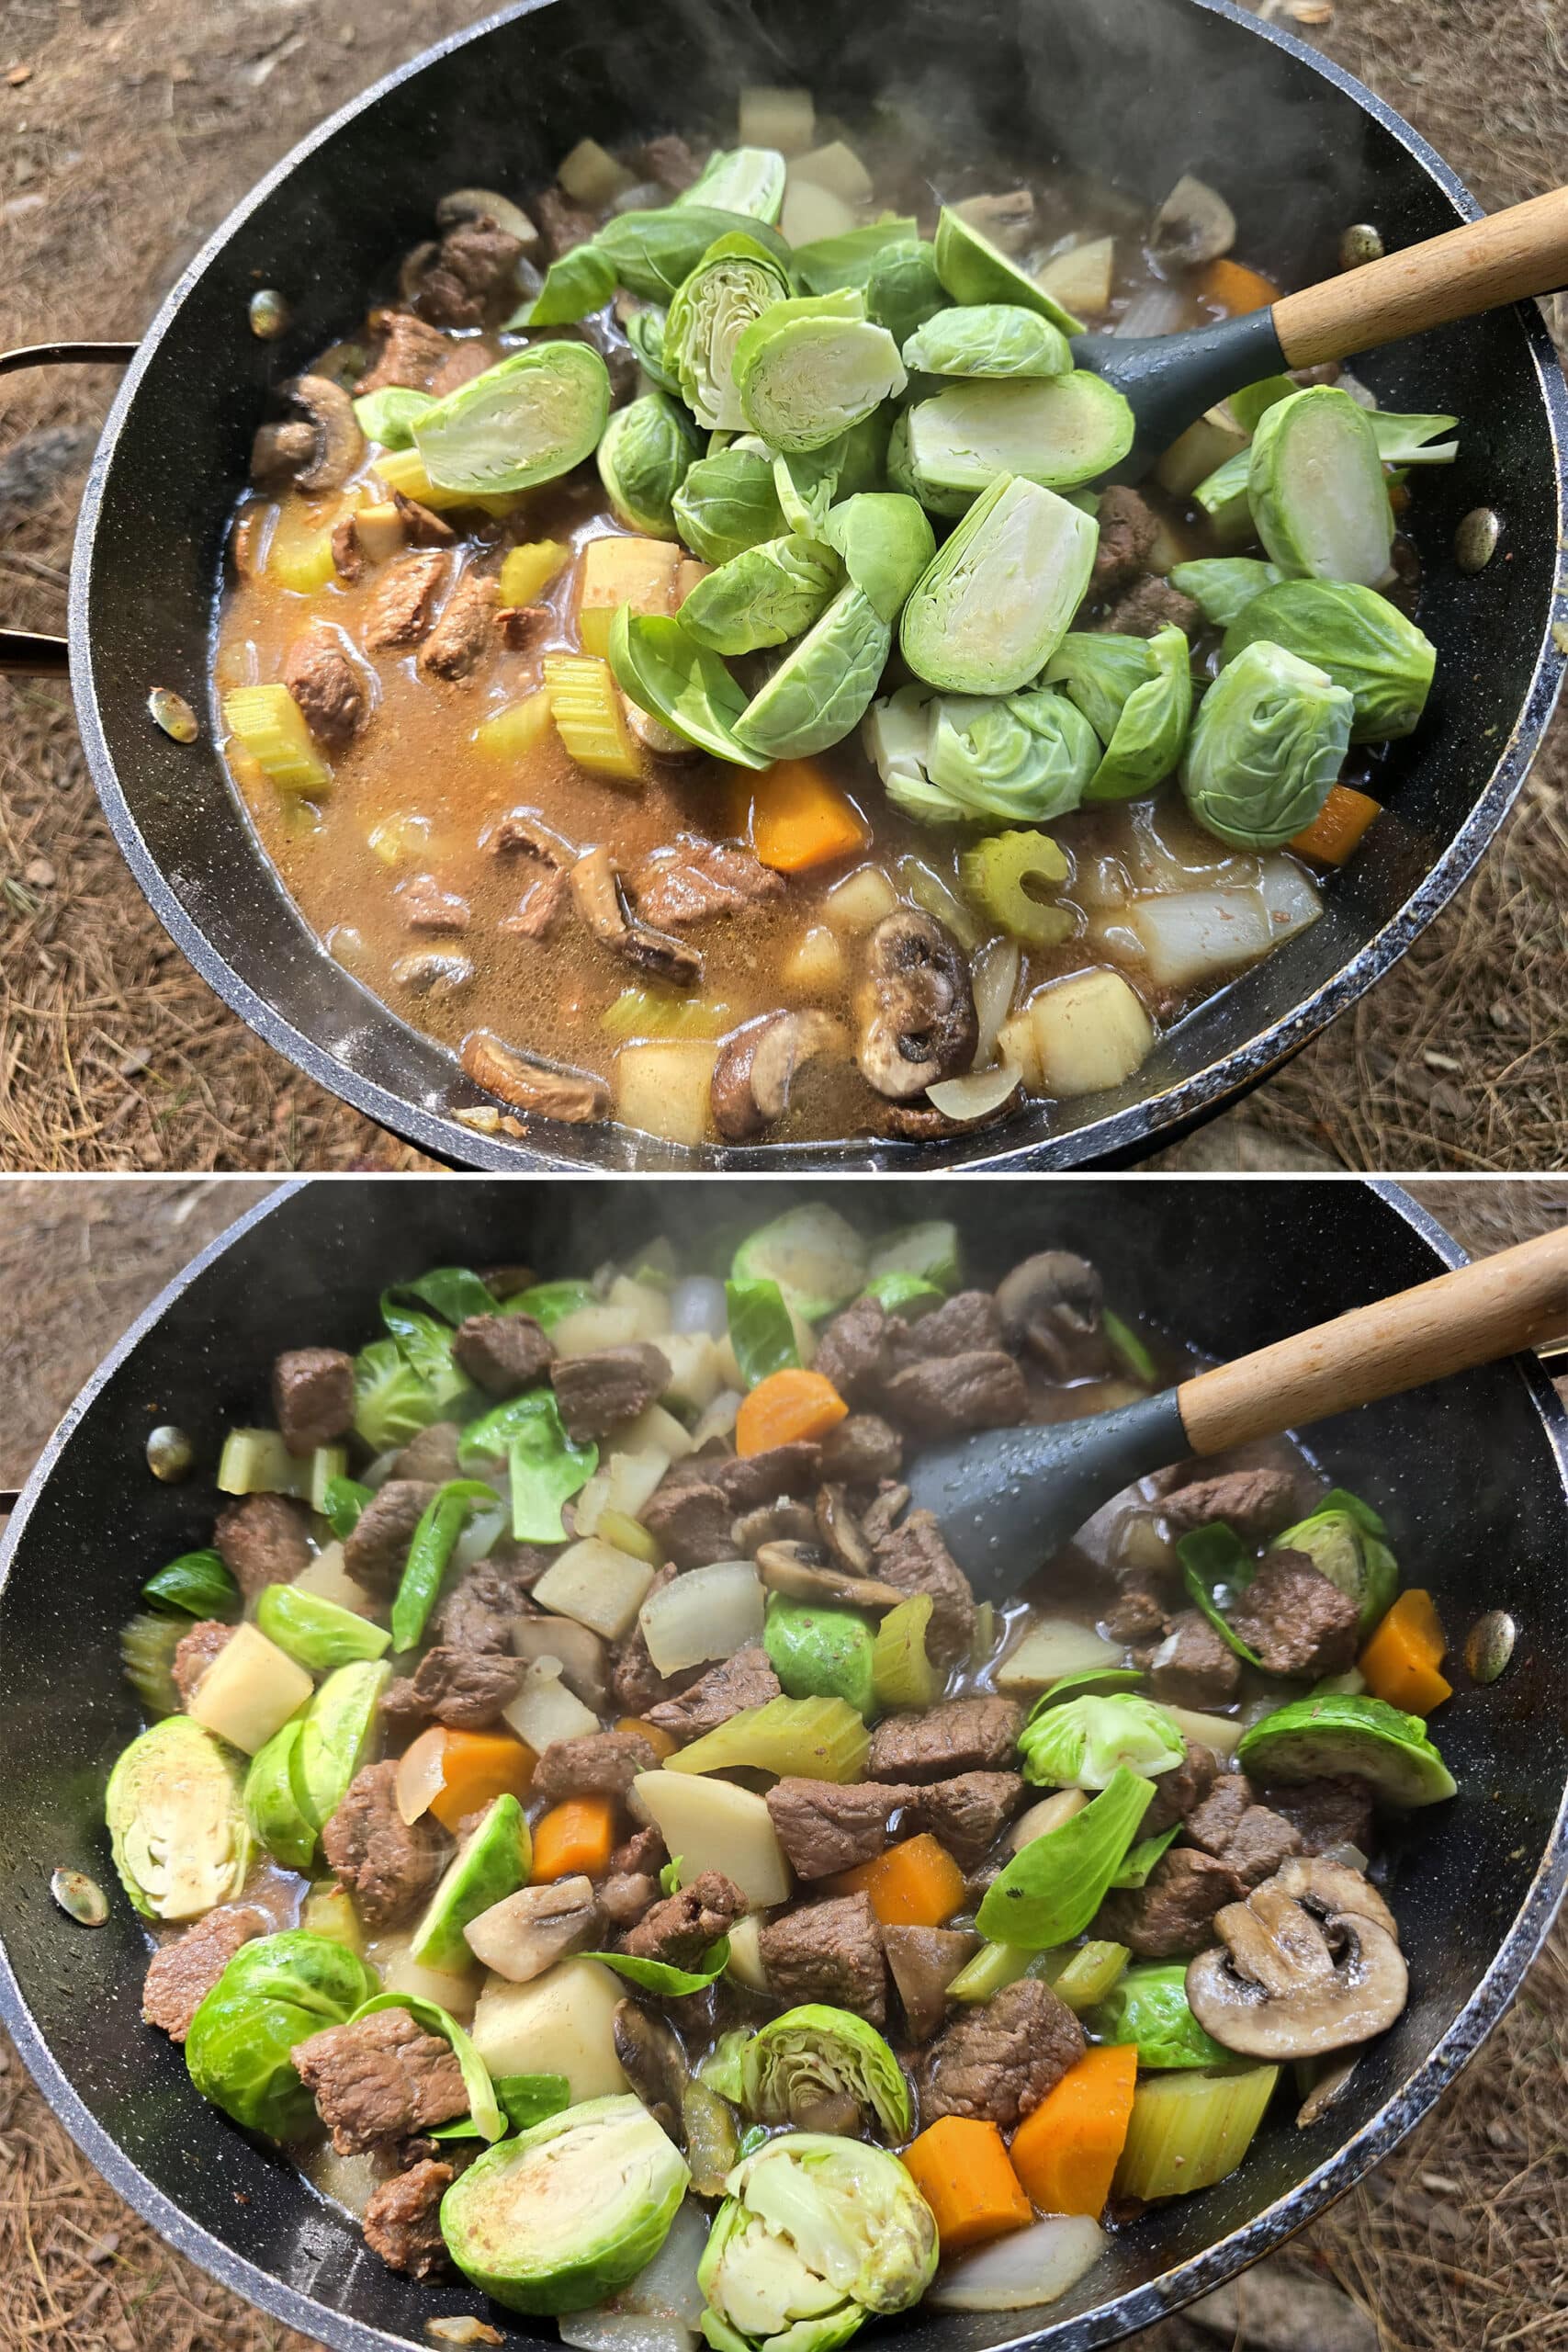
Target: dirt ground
{"x": 1459, "y": 2243}
{"x": 131, "y": 125}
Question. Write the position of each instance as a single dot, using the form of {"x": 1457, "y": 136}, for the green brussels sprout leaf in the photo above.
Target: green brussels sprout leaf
{"x": 653, "y": 254}
{"x": 749, "y": 180}
{"x": 1222, "y": 586}
{"x": 1152, "y": 728}
{"x": 1147, "y": 2004}
{"x": 660, "y": 1977}
{"x": 342, "y": 1505}
{"x": 1266, "y": 747}
{"x": 483, "y": 2105}
{"x": 644, "y": 332}
{"x": 1364, "y": 643}
{"x": 1139, "y": 1859}
{"x": 523, "y": 2099}
{"x": 728, "y": 503}
{"x": 1216, "y": 1569}
{"x": 390, "y": 415}
{"x": 391, "y": 1403}
{"x": 440, "y": 1525}
{"x": 760, "y": 1331}
{"x": 765, "y": 596}
{"x": 547, "y": 1302}
{"x": 886, "y": 542}
{"x": 197, "y": 1584}
{"x": 829, "y": 264}
{"x": 578, "y": 284}
{"x": 1100, "y": 672}
{"x": 1053, "y": 1887}
{"x": 318, "y": 1633}
{"x": 1093, "y": 1681}
{"x": 674, "y": 679}
{"x": 491, "y": 1863}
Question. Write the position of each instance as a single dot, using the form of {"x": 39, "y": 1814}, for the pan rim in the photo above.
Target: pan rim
{"x": 1140, "y": 2306}
{"x": 1122, "y": 1136}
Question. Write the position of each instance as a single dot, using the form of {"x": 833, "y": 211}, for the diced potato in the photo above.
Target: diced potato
{"x": 1198, "y": 452}
{"x": 745, "y": 1962}
{"x": 773, "y": 117}
{"x": 713, "y": 1826}
{"x": 860, "y": 901}
{"x": 527, "y": 571}
{"x": 401, "y": 1972}
{"x": 591, "y": 176}
{"x": 398, "y": 838}
{"x": 1222, "y": 1733}
{"x": 811, "y": 211}
{"x": 837, "y": 168}
{"x": 559, "y": 2023}
{"x": 590, "y": 717}
{"x": 1290, "y": 896}
{"x": 651, "y": 1305}
{"x": 1055, "y": 1646}
{"x": 544, "y": 1709}
{"x": 623, "y": 1486}
{"x": 620, "y": 569}
{"x": 380, "y": 530}
{"x": 663, "y": 1087}
{"x": 513, "y": 733}
{"x": 695, "y": 1373}
{"x": 1090, "y": 1031}
{"x": 1080, "y": 279}
{"x": 328, "y": 1579}
{"x": 250, "y": 1690}
{"x": 816, "y": 967}
{"x": 587, "y": 1329}
{"x": 1193, "y": 935}
{"x": 688, "y": 571}
{"x": 602, "y": 1588}
{"x": 656, "y": 1429}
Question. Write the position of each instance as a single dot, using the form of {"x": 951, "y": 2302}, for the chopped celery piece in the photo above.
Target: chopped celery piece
{"x": 588, "y": 719}
{"x": 623, "y": 568}
{"x": 513, "y": 733}
{"x": 403, "y": 469}
{"x": 327, "y": 1463}
{"x": 993, "y": 1966}
{"x": 300, "y": 554}
{"x": 268, "y": 724}
{"x": 1189, "y": 2130}
{"x": 527, "y": 571}
{"x": 820, "y": 1653}
{"x": 902, "y": 1674}
{"x": 996, "y": 875}
{"x": 654, "y": 1012}
{"x": 1088, "y": 1974}
{"x": 1129, "y": 1350}
{"x": 256, "y": 1462}
{"x": 818, "y": 1739}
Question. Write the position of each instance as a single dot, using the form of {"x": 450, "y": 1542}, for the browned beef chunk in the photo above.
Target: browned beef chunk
{"x": 913, "y": 1558}
{"x": 194, "y": 1653}
{"x": 1213, "y": 1824}
{"x": 1178, "y": 1791}
{"x": 966, "y": 1814}
{"x": 601, "y": 1763}
{"x": 955, "y": 1736}
{"x": 680, "y": 1930}
{"x": 379, "y": 2080}
{"x": 999, "y": 2058}
{"x": 923, "y": 1962}
{"x": 862, "y": 1450}
{"x": 1150, "y": 605}
{"x": 562, "y": 224}
{"x": 1137, "y": 1614}
{"x": 426, "y": 904}
{"x": 431, "y": 1456}
{"x": 1296, "y": 1619}
{"x": 402, "y": 2220}
{"x": 263, "y": 1541}
{"x": 824, "y": 1827}
{"x": 744, "y": 1681}
{"x": 480, "y": 1610}
{"x": 409, "y": 355}
{"x": 748, "y": 1480}
{"x": 643, "y": 1851}
{"x": 980, "y": 1390}
{"x": 465, "y": 631}
{"x": 502, "y": 1353}
{"x": 403, "y": 1710}
{"x": 1256, "y": 1503}
{"x": 966, "y": 1324}
{"x": 698, "y": 879}
{"x": 1194, "y": 1666}
{"x": 463, "y": 361}
{"x": 852, "y": 1351}
{"x": 828, "y": 1951}
{"x": 1326, "y": 1813}
{"x": 599, "y": 1393}
{"x": 670, "y": 162}
{"x": 465, "y": 1690}
{"x": 1173, "y": 1913}
{"x": 312, "y": 1394}
{"x": 542, "y": 907}
{"x": 182, "y": 1974}
{"x": 327, "y": 687}
{"x": 403, "y": 603}
{"x": 388, "y": 1865}
{"x": 693, "y": 1521}
{"x": 376, "y": 1550}
{"x": 624, "y": 1896}
{"x": 474, "y": 266}
{"x": 1260, "y": 1843}
{"x": 1128, "y": 529}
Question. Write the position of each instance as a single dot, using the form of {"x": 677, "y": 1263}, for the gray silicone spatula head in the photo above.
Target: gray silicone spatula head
{"x": 1008, "y": 1499}
{"x": 1169, "y": 380}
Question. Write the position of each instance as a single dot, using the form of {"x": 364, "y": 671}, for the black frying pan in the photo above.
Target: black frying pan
{"x": 1137, "y": 90}
{"x": 1473, "y": 1477}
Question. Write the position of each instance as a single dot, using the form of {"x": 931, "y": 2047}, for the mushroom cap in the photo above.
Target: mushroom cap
{"x": 915, "y": 1006}
{"x": 791, "y": 1568}
{"x": 596, "y": 893}
{"x": 1334, "y": 1887}
{"x": 1051, "y": 1297}
{"x": 340, "y": 443}
{"x": 1193, "y": 225}
{"x": 754, "y": 1074}
{"x": 1281, "y": 1984}
{"x": 653, "y": 2061}
{"x": 483, "y": 204}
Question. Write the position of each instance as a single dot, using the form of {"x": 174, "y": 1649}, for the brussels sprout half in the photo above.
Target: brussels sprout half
{"x": 556, "y": 2219}
{"x": 644, "y": 455}
{"x": 966, "y": 759}
{"x": 1316, "y": 486}
{"x": 736, "y": 280}
{"x": 974, "y": 271}
{"x": 177, "y": 1821}
{"x": 886, "y": 542}
{"x": 995, "y": 601}
{"x": 817, "y": 2059}
{"x": 1086, "y": 1743}
{"x": 532, "y": 416}
{"x": 740, "y": 180}
{"x": 1335, "y": 1733}
{"x": 1223, "y": 586}
{"x": 1060, "y": 431}
{"x": 1268, "y": 744}
{"x": 810, "y": 368}
{"x": 988, "y": 339}
{"x": 903, "y": 291}
{"x": 1100, "y": 671}
{"x": 1364, "y": 643}
{"x": 763, "y": 598}
{"x": 1152, "y": 727}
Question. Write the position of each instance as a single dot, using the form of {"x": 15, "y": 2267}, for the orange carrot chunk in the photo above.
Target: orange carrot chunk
{"x": 1236, "y": 289}
{"x": 1066, "y": 2152}
{"x": 788, "y": 1406}
{"x": 664, "y": 1743}
{"x": 914, "y": 1884}
{"x": 474, "y": 1767}
{"x": 961, "y": 2168}
{"x": 1337, "y": 827}
{"x": 800, "y": 819}
{"x": 1401, "y": 1660}
{"x": 574, "y": 1837}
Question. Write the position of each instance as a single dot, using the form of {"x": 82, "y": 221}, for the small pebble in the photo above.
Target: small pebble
{"x": 1489, "y": 1645}
{"x": 80, "y": 1897}
{"x": 174, "y": 715}
{"x": 1475, "y": 540}
{"x": 170, "y": 1454}
{"x": 1359, "y": 244}
{"x": 462, "y": 2331}
{"x": 268, "y": 314}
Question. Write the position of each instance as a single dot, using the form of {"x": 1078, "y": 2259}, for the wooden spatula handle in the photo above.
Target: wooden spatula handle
{"x": 1467, "y": 1317}
{"x": 1501, "y": 259}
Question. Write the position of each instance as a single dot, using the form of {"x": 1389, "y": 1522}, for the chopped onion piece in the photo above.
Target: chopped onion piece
{"x": 1191, "y": 936}
{"x": 1030, "y": 2267}
{"x": 420, "y": 1773}
{"x": 716, "y": 1420}
{"x": 979, "y": 1092}
{"x": 1288, "y": 895}
{"x": 696, "y": 1303}
{"x": 708, "y": 1612}
{"x": 994, "y": 978}
{"x": 1051, "y": 1647}
{"x": 1160, "y": 310}
{"x": 1351, "y": 1855}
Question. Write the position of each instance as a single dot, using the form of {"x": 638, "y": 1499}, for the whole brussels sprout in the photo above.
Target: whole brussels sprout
{"x": 1152, "y": 728}
{"x": 815, "y": 2234}
{"x": 1267, "y": 745}
{"x": 647, "y": 451}
{"x": 994, "y": 603}
{"x": 967, "y": 759}
{"x": 176, "y": 1815}
{"x": 765, "y": 597}
{"x": 728, "y": 503}
{"x": 988, "y": 339}
{"x": 811, "y": 366}
{"x": 736, "y": 280}
{"x": 904, "y": 291}
{"x": 1086, "y": 1742}
{"x": 818, "y": 2060}
{"x": 1316, "y": 486}
{"x": 1364, "y": 642}
{"x": 275, "y": 1994}
{"x": 820, "y": 692}
{"x": 1345, "y": 1539}
{"x": 886, "y": 542}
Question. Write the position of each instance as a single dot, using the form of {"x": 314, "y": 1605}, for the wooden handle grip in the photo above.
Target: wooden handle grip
{"x": 1501, "y": 259}
{"x": 1467, "y": 1317}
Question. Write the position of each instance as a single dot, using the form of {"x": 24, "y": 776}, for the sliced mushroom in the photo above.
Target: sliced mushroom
{"x": 432, "y": 973}
{"x": 781, "y": 1522}
{"x": 1327, "y": 1887}
{"x": 1052, "y": 1305}
{"x": 839, "y": 1524}
{"x": 1193, "y": 225}
{"x": 796, "y": 1569}
{"x": 923, "y": 1962}
{"x": 337, "y": 444}
{"x": 483, "y": 204}
{"x": 595, "y": 889}
{"x": 527, "y": 1932}
{"x": 653, "y": 2061}
{"x": 915, "y": 1007}
{"x": 1008, "y": 221}
{"x": 421, "y": 527}
{"x": 880, "y": 1517}
{"x": 501, "y": 1069}
{"x": 280, "y": 453}
{"x": 654, "y": 736}
{"x": 524, "y": 832}
{"x": 753, "y": 1075}
{"x": 1282, "y": 1984}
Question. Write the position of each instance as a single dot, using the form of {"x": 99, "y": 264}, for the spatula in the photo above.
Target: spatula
{"x": 1171, "y": 380}
{"x": 1007, "y": 1499}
